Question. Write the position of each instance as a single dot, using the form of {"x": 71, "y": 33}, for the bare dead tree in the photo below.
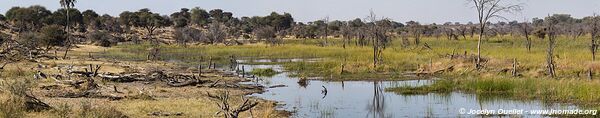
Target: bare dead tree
{"x": 594, "y": 26}
{"x": 222, "y": 100}
{"x": 486, "y": 10}
{"x": 326, "y": 29}
{"x": 379, "y": 39}
{"x": 462, "y": 30}
{"x": 526, "y": 30}
{"x": 552, "y": 32}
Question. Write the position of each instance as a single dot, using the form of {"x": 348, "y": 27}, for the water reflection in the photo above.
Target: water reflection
{"x": 351, "y": 99}
{"x": 377, "y": 105}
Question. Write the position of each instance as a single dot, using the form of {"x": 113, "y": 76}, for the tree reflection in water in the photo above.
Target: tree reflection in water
{"x": 377, "y": 105}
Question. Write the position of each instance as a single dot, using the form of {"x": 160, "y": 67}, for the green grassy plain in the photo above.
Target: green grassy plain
{"x": 573, "y": 59}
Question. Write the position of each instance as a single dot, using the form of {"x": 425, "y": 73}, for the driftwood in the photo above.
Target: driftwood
{"x": 34, "y": 104}
{"x": 73, "y": 83}
{"x": 187, "y": 83}
{"x": 277, "y": 86}
{"x": 165, "y": 114}
{"x": 222, "y": 101}
{"x": 173, "y": 80}
{"x": 420, "y": 73}
{"x": 123, "y": 78}
{"x": 93, "y": 71}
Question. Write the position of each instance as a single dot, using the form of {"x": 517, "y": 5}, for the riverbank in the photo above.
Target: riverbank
{"x": 118, "y": 99}
{"x": 583, "y": 93}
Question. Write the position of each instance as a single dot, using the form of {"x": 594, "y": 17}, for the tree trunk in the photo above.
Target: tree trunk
{"x": 550, "y": 57}
{"x": 478, "y": 63}
{"x": 68, "y": 33}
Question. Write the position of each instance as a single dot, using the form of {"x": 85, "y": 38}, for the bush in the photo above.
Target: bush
{"x": 102, "y": 38}
{"x": 30, "y": 40}
{"x": 184, "y": 35}
{"x": 13, "y": 107}
{"x": 87, "y": 111}
{"x": 53, "y": 35}
{"x": 62, "y": 110}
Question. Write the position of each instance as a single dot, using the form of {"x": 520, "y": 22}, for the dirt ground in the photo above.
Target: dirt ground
{"x": 139, "y": 98}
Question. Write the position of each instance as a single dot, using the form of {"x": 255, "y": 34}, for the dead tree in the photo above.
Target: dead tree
{"x": 379, "y": 39}
{"x": 326, "y": 29}
{"x": 222, "y": 100}
{"x": 514, "y": 68}
{"x": 486, "y": 10}
{"x": 552, "y": 34}
{"x": 526, "y": 30}
{"x": 594, "y": 25}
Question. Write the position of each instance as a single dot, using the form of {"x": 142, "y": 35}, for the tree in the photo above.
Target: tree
{"x": 102, "y": 38}
{"x": 416, "y": 30}
{"x": 31, "y": 18}
{"x": 187, "y": 34}
{"x": 67, "y": 4}
{"x": 216, "y": 33}
{"x": 199, "y": 16}
{"x": 280, "y": 22}
{"x": 144, "y": 18}
{"x": 526, "y": 29}
{"x": 53, "y": 35}
{"x": 90, "y": 18}
{"x": 59, "y": 17}
{"x": 377, "y": 33}
{"x": 268, "y": 34}
{"x": 486, "y": 10}
{"x": 216, "y": 15}
{"x": 108, "y": 23}
{"x": 551, "y": 23}
{"x": 181, "y": 18}
{"x": 324, "y": 25}
{"x": 593, "y": 23}
{"x": 2, "y": 18}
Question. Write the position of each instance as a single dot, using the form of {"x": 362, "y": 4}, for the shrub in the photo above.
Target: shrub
{"x": 62, "y": 110}
{"x": 13, "y": 107}
{"x": 101, "y": 38}
{"x": 87, "y": 111}
{"x": 53, "y": 35}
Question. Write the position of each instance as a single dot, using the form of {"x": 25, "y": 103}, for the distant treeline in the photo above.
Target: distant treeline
{"x": 216, "y": 25}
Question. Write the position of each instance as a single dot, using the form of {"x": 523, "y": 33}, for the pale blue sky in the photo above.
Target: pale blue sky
{"x": 425, "y": 11}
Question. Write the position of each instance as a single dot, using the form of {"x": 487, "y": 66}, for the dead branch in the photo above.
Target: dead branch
{"x": 222, "y": 101}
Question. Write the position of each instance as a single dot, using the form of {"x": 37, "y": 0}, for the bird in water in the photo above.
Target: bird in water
{"x": 324, "y": 91}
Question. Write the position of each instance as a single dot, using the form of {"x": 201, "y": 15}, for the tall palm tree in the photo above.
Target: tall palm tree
{"x": 67, "y": 4}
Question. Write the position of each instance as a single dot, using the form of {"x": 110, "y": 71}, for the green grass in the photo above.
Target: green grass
{"x": 573, "y": 56}
{"x": 582, "y": 92}
{"x": 573, "y": 59}
{"x": 267, "y": 72}
{"x": 439, "y": 86}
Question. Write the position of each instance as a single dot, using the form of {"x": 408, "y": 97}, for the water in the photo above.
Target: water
{"x": 368, "y": 99}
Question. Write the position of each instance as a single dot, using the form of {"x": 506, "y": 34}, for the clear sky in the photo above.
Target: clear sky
{"x": 425, "y": 11}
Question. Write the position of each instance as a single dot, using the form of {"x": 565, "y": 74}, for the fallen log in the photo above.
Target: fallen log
{"x": 277, "y": 86}
{"x": 186, "y": 83}
{"x": 34, "y": 104}
{"x": 73, "y": 83}
{"x": 123, "y": 78}
{"x": 449, "y": 68}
